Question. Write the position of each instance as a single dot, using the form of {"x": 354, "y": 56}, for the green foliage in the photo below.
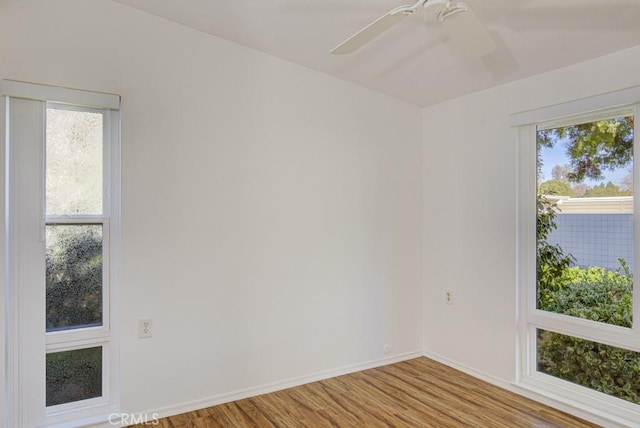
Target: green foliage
{"x": 73, "y": 276}
{"x": 594, "y": 293}
{"x": 594, "y": 147}
{"x": 555, "y": 187}
{"x": 74, "y": 375}
{"x": 601, "y": 189}
{"x": 600, "y": 295}
{"x": 551, "y": 260}
{"x": 613, "y": 371}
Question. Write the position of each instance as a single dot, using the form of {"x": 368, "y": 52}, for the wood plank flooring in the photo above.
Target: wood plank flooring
{"x": 416, "y": 393}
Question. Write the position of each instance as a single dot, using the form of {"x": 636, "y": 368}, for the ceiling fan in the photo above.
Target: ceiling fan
{"x": 468, "y": 34}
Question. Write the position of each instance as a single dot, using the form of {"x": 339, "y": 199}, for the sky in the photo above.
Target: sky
{"x": 557, "y": 156}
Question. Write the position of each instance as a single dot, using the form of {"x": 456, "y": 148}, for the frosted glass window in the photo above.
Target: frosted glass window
{"x": 74, "y": 276}
{"x": 74, "y": 375}
{"x": 74, "y": 162}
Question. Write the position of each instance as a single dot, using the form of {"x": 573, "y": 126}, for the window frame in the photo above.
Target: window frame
{"x": 102, "y": 219}
{"x": 19, "y": 400}
{"x": 530, "y": 318}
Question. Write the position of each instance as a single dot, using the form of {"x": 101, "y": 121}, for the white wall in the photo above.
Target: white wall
{"x": 469, "y": 195}
{"x": 270, "y": 214}
{"x": 2, "y": 266}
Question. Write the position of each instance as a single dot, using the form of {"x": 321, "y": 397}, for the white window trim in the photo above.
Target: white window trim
{"x": 57, "y": 94}
{"x": 582, "y": 107}
{"x": 529, "y": 318}
{"x": 93, "y": 410}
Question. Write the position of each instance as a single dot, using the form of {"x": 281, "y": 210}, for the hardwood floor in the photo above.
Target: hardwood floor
{"x": 415, "y": 393}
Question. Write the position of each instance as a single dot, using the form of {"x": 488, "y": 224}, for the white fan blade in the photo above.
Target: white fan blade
{"x": 469, "y": 37}
{"x": 373, "y": 30}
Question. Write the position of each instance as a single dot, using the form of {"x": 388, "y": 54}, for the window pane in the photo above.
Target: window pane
{"x": 74, "y": 276}
{"x": 585, "y": 220}
{"x": 74, "y": 375}
{"x": 613, "y": 371}
{"x": 74, "y": 162}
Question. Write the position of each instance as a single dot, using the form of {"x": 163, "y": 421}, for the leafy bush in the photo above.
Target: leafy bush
{"x": 594, "y": 293}
{"x": 551, "y": 260}
{"x": 74, "y": 375}
{"x": 597, "y": 294}
{"x": 74, "y": 276}
{"x": 605, "y": 368}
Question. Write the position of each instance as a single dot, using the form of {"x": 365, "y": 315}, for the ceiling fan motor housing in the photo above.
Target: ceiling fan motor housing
{"x": 442, "y": 9}
{"x": 436, "y": 7}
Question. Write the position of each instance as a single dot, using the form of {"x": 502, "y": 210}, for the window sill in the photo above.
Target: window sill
{"x": 579, "y": 401}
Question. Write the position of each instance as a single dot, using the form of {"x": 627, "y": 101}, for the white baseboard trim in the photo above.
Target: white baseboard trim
{"x": 557, "y": 403}
{"x": 494, "y": 380}
{"x": 272, "y": 387}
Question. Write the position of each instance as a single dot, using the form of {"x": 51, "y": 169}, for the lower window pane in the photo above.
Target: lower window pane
{"x": 74, "y": 276}
{"x": 613, "y": 371}
{"x": 74, "y": 375}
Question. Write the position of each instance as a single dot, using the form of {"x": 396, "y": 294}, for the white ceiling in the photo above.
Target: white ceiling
{"x": 413, "y": 61}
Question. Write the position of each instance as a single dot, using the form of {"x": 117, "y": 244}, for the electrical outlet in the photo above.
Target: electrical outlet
{"x": 145, "y": 328}
{"x": 386, "y": 349}
{"x": 448, "y": 297}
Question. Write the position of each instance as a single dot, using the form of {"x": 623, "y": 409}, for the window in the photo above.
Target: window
{"x": 63, "y": 228}
{"x": 579, "y": 332}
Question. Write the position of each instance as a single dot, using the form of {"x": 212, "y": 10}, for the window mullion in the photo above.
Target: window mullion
{"x": 79, "y": 219}
{"x": 526, "y": 245}
{"x": 70, "y": 339}
{"x": 636, "y": 224}
{"x": 106, "y": 163}
{"x": 586, "y": 329}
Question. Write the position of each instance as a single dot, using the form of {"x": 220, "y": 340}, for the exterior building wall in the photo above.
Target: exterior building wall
{"x": 595, "y": 239}
{"x": 599, "y": 205}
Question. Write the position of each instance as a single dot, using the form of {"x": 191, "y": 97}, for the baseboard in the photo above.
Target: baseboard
{"x": 272, "y": 387}
{"x": 562, "y": 405}
{"x": 494, "y": 380}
